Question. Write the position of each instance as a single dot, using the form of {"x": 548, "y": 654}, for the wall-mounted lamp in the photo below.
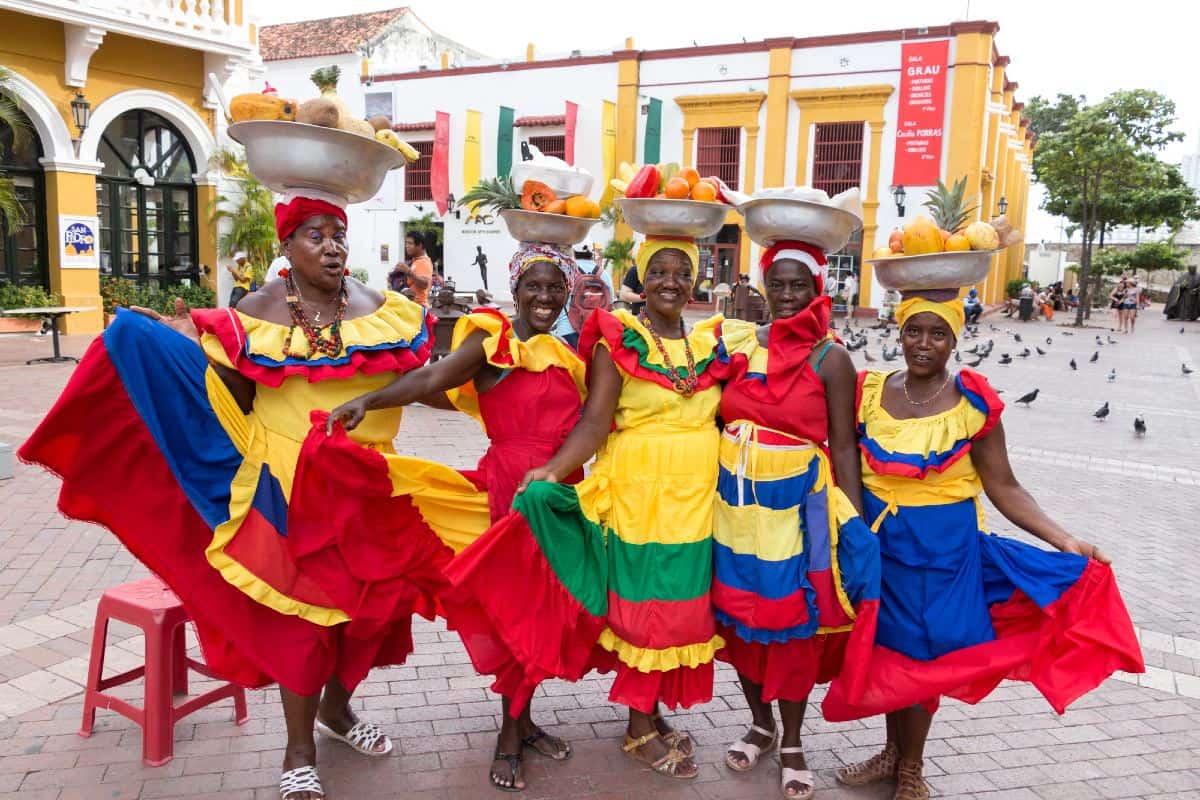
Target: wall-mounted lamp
{"x": 451, "y": 206}
{"x": 1002, "y": 206}
{"x": 81, "y": 112}
{"x": 899, "y": 195}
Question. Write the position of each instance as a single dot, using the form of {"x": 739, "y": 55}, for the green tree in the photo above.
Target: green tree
{"x": 1151, "y": 256}
{"x": 1099, "y": 167}
{"x": 250, "y": 212}
{"x": 618, "y": 254}
{"x": 11, "y": 212}
{"x": 429, "y": 228}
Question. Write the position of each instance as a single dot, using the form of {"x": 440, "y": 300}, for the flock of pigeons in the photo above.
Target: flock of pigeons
{"x": 980, "y": 352}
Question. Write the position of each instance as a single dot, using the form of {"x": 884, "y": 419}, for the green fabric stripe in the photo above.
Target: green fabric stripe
{"x": 504, "y": 142}
{"x": 654, "y": 571}
{"x": 653, "y": 147}
{"x": 572, "y": 544}
{"x": 636, "y": 342}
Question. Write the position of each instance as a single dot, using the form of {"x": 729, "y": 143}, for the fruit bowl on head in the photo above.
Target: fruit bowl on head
{"x": 655, "y": 216}
{"x": 777, "y": 219}
{"x": 565, "y": 182}
{"x": 542, "y": 226}
{"x": 930, "y": 271}
{"x": 287, "y": 156}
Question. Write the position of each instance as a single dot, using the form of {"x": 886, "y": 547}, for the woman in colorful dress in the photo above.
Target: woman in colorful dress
{"x": 791, "y": 557}
{"x": 615, "y": 572}
{"x": 962, "y": 609}
{"x": 287, "y": 580}
{"x": 525, "y": 386}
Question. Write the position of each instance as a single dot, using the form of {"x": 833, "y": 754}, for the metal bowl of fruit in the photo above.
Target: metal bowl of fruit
{"x": 775, "y": 219}
{"x": 566, "y": 182}
{"x": 293, "y": 155}
{"x": 542, "y": 226}
{"x": 933, "y": 270}
{"x": 655, "y": 216}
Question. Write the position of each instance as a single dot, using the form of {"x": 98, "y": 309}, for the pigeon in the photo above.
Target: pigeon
{"x": 1186, "y": 369}
{"x": 887, "y": 356}
{"x": 975, "y": 363}
{"x": 1181, "y": 330}
{"x": 1028, "y": 398}
{"x": 1102, "y": 411}
{"x": 1112, "y": 375}
{"x": 870, "y": 358}
{"x": 1095, "y": 357}
{"x": 993, "y": 328}
{"x": 1067, "y": 333}
{"x": 1049, "y": 341}
{"x": 957, "y": 357}
{"x": 1016, "y": 337}
{"x": 1073, "y": 364}
{"x": 1024, "y": 353}
{"x": 1139, "y": 426}
{"x": 1005, "y": 358}
{"x": 1111, "y": 340}
{"x": 1040, "y": 351}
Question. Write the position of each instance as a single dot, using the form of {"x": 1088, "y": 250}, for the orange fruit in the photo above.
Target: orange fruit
{"x": 557, "y": 207}
{"x": 593, "y": 210}
{"x": 690, "y": 175}
{"x": 578, "y": 206}
{"x": 704, "y": 192}
{"x": 896, "y": 241}
{"x": 677, "y": 188}
{"x": 957, "y": 242}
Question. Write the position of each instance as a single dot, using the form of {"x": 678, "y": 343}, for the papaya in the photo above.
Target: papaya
{"x": 536, "y": 196}
{"x": 245, "y": 107}
{"x": 644, "y": 183}
{"x": 557, "y": 207}
{"x": 318, "y": 111}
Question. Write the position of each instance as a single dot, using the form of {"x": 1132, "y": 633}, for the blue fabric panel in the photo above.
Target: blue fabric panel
{"x": 816, "y": 530}
{"x": 777, "y": 495}
{"x": 770, "y": 579}
{"x": 767, "y": 635}
{"x": 269, "y": 500}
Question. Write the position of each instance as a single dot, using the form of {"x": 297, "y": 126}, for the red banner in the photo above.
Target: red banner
{"x": 439, "y": 167}
{"x": 569, "y": 135}
{"x": 922, "y": 116}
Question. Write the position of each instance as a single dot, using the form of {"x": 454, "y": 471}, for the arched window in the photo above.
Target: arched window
{"x": 23, "y": 258}
{"x": 146, "y": 199}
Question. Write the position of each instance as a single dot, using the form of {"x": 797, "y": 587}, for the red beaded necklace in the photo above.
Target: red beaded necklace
{"x": 318, "y": 342}
{"x": 685, "y": 385}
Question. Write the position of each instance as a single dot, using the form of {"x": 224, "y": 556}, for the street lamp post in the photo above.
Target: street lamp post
{"x": 1002, "y": 206}
{"x": 81, "y": 113}
{"x": 899, "y": 195}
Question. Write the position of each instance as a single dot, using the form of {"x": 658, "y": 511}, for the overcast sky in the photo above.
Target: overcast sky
{"x": 1055, "y": 45}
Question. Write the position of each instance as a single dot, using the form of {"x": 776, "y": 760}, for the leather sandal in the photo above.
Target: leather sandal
{"x": 561, "y": 753}
{"x": 514, "y": 763}
{"x": 299, "y": 781}
{"x": 752, "y": 752}
{"x": 672, "y": 764}
{"x": 680, "y": 740}
{"x": 804, "y": 777}
{"x": 879, "y": 767}
{"x": 910, "y": 783}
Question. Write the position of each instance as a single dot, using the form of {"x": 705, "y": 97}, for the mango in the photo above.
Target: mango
{"x": 250, "y": 106}
{"x": 921, "y": 236}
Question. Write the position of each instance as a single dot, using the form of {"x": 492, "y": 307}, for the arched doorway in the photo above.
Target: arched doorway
{"x": 146, "y": 200}
{"x": 23, "y": 254}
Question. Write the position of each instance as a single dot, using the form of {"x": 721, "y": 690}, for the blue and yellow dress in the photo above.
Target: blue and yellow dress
{"x": 962, "y": 609}
{"x": 289, "y": 578}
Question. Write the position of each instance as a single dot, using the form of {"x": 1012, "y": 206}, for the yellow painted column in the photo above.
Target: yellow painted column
{"x": 73, "y": 193}
{"x": 779, "y": 83}
{"x": 206, "y": 236}
{"x": 968, "y": 104}
{"x": 689, "y": 147}
{"x": 628, "y": 81}
{"x": 751, "y": 161}
{"x": 871, "y": 208}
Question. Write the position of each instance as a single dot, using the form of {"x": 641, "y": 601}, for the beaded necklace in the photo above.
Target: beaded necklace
{"x": 318, "y": 341}
{"x": 686, "y": 385}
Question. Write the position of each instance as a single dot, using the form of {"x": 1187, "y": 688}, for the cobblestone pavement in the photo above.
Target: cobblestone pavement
{"x": 1136, "y": 736}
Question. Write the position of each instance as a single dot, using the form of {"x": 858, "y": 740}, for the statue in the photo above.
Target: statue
{"x": 1184, "y": 300}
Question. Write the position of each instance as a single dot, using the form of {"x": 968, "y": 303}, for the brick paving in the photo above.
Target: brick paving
{"x": 1136, "y": 736}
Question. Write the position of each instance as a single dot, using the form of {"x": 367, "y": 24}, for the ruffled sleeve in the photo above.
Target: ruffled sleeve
{"x": 633, "y": 351}
{"x": 504, "y": 350}
{"x": 738, "y": 343}
{"x": 396, "y": 337}
{"x": 913, "y": 448}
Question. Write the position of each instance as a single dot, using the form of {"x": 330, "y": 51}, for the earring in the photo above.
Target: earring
{"x": 347, "y": 272}
{"x": 642, "y": 295}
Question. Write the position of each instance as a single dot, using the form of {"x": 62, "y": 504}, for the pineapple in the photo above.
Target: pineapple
{"x": 947, "y": 206}
{"x": 496, "y": 193}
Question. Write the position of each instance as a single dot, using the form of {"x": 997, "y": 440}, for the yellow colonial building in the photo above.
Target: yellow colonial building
{"x": 115, "y": 179}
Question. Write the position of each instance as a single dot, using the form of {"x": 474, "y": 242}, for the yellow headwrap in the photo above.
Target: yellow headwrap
{"x": 951, "y": 311}
{"x": 651, "y": 246}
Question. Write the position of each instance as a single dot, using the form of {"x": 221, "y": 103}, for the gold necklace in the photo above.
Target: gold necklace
{"x": 929, "y": 399}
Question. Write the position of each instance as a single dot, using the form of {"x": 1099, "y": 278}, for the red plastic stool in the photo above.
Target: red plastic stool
{"x": 154, "y": 608}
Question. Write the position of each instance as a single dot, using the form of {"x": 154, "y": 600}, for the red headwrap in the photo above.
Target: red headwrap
{"x": 807, "y": 254}
{"x": 290, "y": 215}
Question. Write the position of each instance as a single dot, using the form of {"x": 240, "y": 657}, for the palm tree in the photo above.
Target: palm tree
{"x": 11, "y": 117}
{"x": 618, "y": 254}
{"x": 251, "y": 212}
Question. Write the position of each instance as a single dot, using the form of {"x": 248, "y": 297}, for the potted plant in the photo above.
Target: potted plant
{"x": 13, "y": 296}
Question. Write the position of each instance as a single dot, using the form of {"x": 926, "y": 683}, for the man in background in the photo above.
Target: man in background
{"x": 418, "y": 272}
{"x": 242, "y": 279}
{"x": 631, "y": 291}
{"x": 850, "y": 292}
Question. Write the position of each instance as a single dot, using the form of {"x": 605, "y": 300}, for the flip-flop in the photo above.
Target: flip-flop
{"x": 514, "y": 763}
{"x": 300, "y": 779}
{"x": 362, "y": 736}
{"x": 539, "y": 734}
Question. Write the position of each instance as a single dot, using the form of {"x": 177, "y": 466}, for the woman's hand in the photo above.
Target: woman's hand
{"x": 180, "y": 321}
{"x": 1081, "y": 548}
{"x": 350, "y": 414}
{"x": 537, "y": 474}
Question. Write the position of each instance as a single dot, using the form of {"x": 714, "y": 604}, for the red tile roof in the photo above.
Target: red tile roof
{"x": 413, "y": 126}
{"x": 540, "y": 122}
{"x": 323, "y": 37}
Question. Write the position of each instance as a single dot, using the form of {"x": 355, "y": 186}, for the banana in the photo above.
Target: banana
{"x": 389, "y": 137}
{"x": 626, "y": 171}
{"x": 618, "y": 185}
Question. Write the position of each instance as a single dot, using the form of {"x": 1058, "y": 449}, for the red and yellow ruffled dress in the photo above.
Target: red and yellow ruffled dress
{"x": 615, "y": 572}
{"x": 289, "y": 578}
{"x": 792, "y": 561}
{"x": 962, "y": 609}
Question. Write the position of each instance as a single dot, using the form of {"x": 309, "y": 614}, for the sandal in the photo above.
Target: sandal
{"x": 562, "y": 749}
{"x": 298, "y": 780}
{"x": 752, "y": 752}
{"x": 804, "y": 777}
{"x": 514, "y": 763}
{"x": 910, "y": 783}
{"x": 680, "y": 740}
{"x": 671, "y": 765}
{"x": 879, "y": 767}
{"x": 362, "y": 736}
